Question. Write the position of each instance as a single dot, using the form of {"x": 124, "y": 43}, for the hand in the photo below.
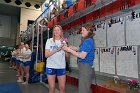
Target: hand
{"x": 59, "y": 48}
{"x": 74, "y": 48}
{"x": 20, "y": 56}
{"x": 67, "y": 49}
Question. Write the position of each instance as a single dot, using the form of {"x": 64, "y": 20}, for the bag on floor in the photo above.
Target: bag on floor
{"x": 34, "y": 77}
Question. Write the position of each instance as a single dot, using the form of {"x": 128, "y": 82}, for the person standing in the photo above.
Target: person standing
{"x": 26, "y": 63}
{"x": 13, "y": 59}
{"x": 56, "y": 64}
{"x": 20, "y": 56}
{"x": 85, "y": 54}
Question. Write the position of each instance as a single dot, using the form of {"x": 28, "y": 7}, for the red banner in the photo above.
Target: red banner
{"x": 88, "y": 3}
{"x": 72, "y": 24}
{"x": 81, "y": 5}
{"x": 89, "y": 17}
{"x": 50, "y": 24}
{"x": 62, "y": 16}
{"x": 96, "y": 14}
{"x": 55, "y": 21}
{"x": 69, "y": 26}
{"x": 75, "y": 7}
{"x": 103, "y": 11}
{"x": 66, "y": 14}
{"x": 77, "y": 22}
{"x": 131, "y": 3}
{"x": 70, "y": 11}
{"x": 93, "y": 1}
{"x": 116, "y": 6}
{"x": 64, "y": 28}
{"x": 82, "y": 20}
{"x": 136, "y": 1}
{"x": 58, "y": 18}
{"x": 109, "y": 9}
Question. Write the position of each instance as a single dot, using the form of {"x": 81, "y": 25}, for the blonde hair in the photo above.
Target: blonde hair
{"x": 61, "y": 35}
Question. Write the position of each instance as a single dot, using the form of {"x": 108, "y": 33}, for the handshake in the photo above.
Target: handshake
{"x": 67, "y": 48}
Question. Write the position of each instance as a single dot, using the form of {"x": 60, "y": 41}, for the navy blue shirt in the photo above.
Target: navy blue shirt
{"x": 87, "y": 46}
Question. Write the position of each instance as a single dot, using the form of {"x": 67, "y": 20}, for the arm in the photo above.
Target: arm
{"x": 81, "y": 55}
{"x": 85, "y": 49}
{"x": 67, "y": 54}
{"x": 74, "y": 48}
{"x": 49, "y": 53}
{"x": 27, "y": 56}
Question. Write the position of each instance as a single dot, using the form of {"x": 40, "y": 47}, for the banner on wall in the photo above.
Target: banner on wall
{"x": 75, "y": 7}
{"x": 81, "y": 5}
{"x": 127, "y": 61}
{"x": 50, "y": 24}
{"x": 89, "y": 17}
{"x": 70, "y": 11}
{"x": 55, "y": 21}
{"x": 93, "y": 1}
{"x": 102, "y": 12}
{"x": 62, "y": 16}
{"x": 107, "y": 60}
{"x": 87, "y": 3}
{"x": 96, "y": 14}
{"x": 66, "y": 14}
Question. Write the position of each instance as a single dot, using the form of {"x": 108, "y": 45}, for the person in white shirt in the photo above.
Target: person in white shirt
{"x": 17, "y": 60}
{"x": 13, "y": 59}
{"x": 26, "y": 62}
{"x": 20, "y": 56}
{"x": 56, "y": 64}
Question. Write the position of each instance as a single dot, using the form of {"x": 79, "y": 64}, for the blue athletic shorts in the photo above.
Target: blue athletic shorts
{"x": 18, "y": 62}
{"x": 13, "y": 59}
{"x": 26, "y": 63}
{"x": 57, "y": 72}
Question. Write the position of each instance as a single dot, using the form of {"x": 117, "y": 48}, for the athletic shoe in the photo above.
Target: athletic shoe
{"x": 20, "y": 81}
{"x": 24, "y": 83}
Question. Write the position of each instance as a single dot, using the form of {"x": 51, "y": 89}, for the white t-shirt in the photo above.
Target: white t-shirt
{"x": 13, "y": 53}
{"x": 57, "y": 60}
{"x": 17, "y": 52}
{"x": 22, "y": 51}
{"x": 27, "y": 52}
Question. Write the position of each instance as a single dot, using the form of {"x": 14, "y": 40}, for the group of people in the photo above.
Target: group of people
{"x": 55, "y": 52}
{"x": 20, "y": 61}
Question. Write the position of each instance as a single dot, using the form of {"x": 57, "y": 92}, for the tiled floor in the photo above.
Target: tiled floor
{"x": 8, "y": 75}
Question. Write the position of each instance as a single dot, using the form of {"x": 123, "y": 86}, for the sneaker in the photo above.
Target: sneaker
{"x": 20, "y": 81}
{"x": 10, "y": 67}
{"x": 18, "y": 75}
{"x": 24, "y": 83}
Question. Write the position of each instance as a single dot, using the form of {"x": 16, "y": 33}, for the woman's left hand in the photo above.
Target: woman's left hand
{"x": 67, "y": 49}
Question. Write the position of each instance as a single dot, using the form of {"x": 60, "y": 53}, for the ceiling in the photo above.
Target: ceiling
{"x": 37, "y": 1}
{"x": 32, "y": 2}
